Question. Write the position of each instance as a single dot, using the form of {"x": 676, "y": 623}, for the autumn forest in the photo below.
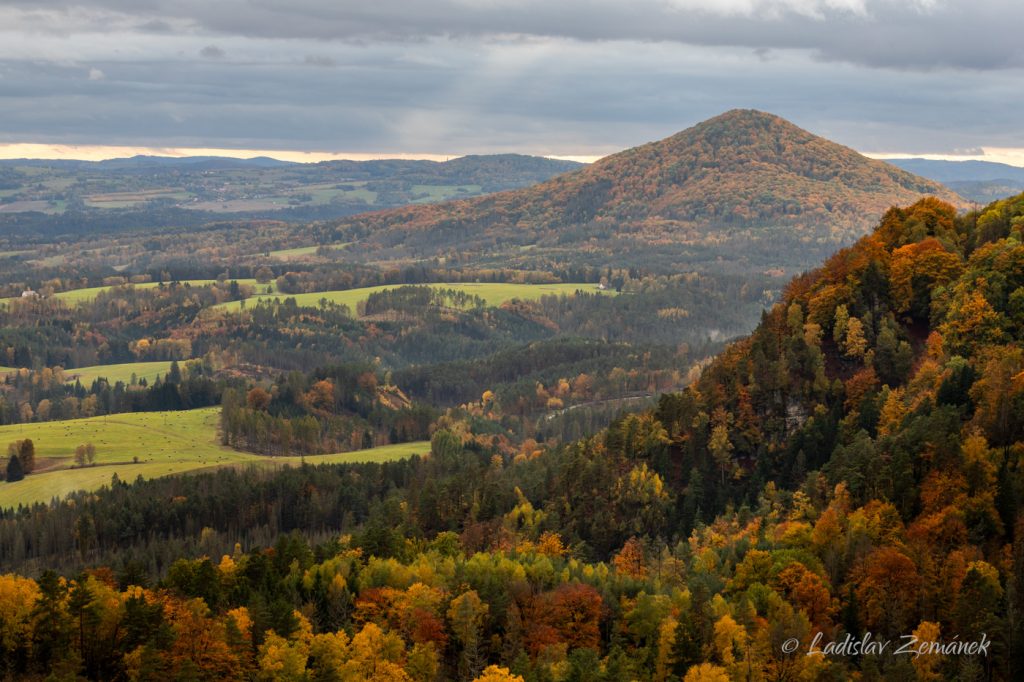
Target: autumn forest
{"x": 692, "y": 412}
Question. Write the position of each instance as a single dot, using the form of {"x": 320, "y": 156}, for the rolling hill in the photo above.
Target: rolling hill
{"x": 740, "y": 178}
{"x": 960, "y": 171}
{"x": 980, "y": 181}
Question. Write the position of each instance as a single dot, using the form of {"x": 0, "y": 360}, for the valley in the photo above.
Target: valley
{"x": 651, "y": 418}
{"x": 511, "y": 341}
{"x": 536, "y": 312}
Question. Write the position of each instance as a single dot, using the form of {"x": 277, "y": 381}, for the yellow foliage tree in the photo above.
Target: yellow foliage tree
{"x": 493, "y": 673}
{"x": 729, "y": 637}
{"x": 17, "y": 598}
{"x": 926, "y": 663}
{"x": 706, "y": 672}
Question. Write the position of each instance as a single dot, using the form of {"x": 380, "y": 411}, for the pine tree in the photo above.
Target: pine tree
{"x": 174, "y": 375}
{"x": 15, "y": 472}
{"x": 51, "y": 636}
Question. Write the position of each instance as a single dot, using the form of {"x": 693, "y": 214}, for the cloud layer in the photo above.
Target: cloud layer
{"x": 460, "y": 76}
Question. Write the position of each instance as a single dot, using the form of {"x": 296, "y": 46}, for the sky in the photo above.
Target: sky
{"x": 316, "y": 79}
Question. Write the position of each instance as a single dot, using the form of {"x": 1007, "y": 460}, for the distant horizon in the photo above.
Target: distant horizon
{"x": 86, "y": 152}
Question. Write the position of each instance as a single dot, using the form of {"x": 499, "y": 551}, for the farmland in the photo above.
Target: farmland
{"x": 149, "y": 371}
{"x": 494, "y": 294}
{"x": 164, "y": 443}
{"x": 78, "y": 296}
{"x": 300, "y": 252}
{"x": 230, "y": 187}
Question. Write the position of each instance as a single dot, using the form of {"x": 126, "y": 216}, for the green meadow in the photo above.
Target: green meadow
{"x": 383, "y": 453}
{"x": 301, "y": 251}
{"x": 493, "y": 293}
{"x": 77, "y": 296}
{"x": 114, "y": 373}
{"x": 149, "y": 371}
{"x": 429, "y": 193}
{"x": 294, "y": 253}
{"x": 164, "y": 443}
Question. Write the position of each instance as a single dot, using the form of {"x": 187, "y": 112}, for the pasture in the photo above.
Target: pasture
{"x": 78, "y": 296}
{"x": 301, "y": 252}
{"x": 164, "y": 443}
{"x": 149, "y": 371}
{"x": 493, "y": 293}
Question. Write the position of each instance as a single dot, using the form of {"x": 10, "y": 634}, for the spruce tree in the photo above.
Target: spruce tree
{"x": 15, "y": 472}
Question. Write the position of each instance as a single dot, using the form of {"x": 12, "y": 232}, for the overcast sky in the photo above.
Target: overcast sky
{"x": 557, "y": 77}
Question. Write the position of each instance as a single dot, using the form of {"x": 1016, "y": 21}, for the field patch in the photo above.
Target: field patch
{"x": 128, "y": 199}
{"x": 165, "y": 443}
{"x": 301, "y": 251}
{"x": 431, "y": 193}
{"x": 14, "y": 254}
{"x": 149, "y": 371}
{"x": 78, "y": 296}
{"x": 493, "y": 293}
{"x": 383, "y": 453}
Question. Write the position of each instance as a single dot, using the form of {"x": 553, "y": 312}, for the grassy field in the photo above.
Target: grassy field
{"x": 76, "y": 296}
{"x": 50, "y": 261}
{"x": 285, "y": 254}
{"x": 165, "y": 443}
{"x": 81, "y": 295}
{"x": 127, "y": 199}
{"x": 493, "y": 293}
{"x": 114, "y": 373}
{"x": 443, "y": 192}
{"x": 300, "y": 252}
{"x": 12, "y": 254}
{"x": 384, "y": 453}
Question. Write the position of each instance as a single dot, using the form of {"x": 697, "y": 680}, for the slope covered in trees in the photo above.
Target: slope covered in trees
{"x": 852, "y": 467}
{"x": 735, "y": 175}
{"x": 980, "y": 181}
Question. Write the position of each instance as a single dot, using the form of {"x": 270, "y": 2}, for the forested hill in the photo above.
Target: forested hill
{"x": 980, "y": 181}
{"x": 887, "y": 391}
{"x": 879, "y": 368}
{"x": 742, "y": 171}
{"x": 851, "y": 469}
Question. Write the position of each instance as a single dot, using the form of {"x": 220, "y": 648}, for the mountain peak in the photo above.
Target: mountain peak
{"x": 746, "y": 119}
{"x": 746, "y": 115}
{"x": 742, "y": 171}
